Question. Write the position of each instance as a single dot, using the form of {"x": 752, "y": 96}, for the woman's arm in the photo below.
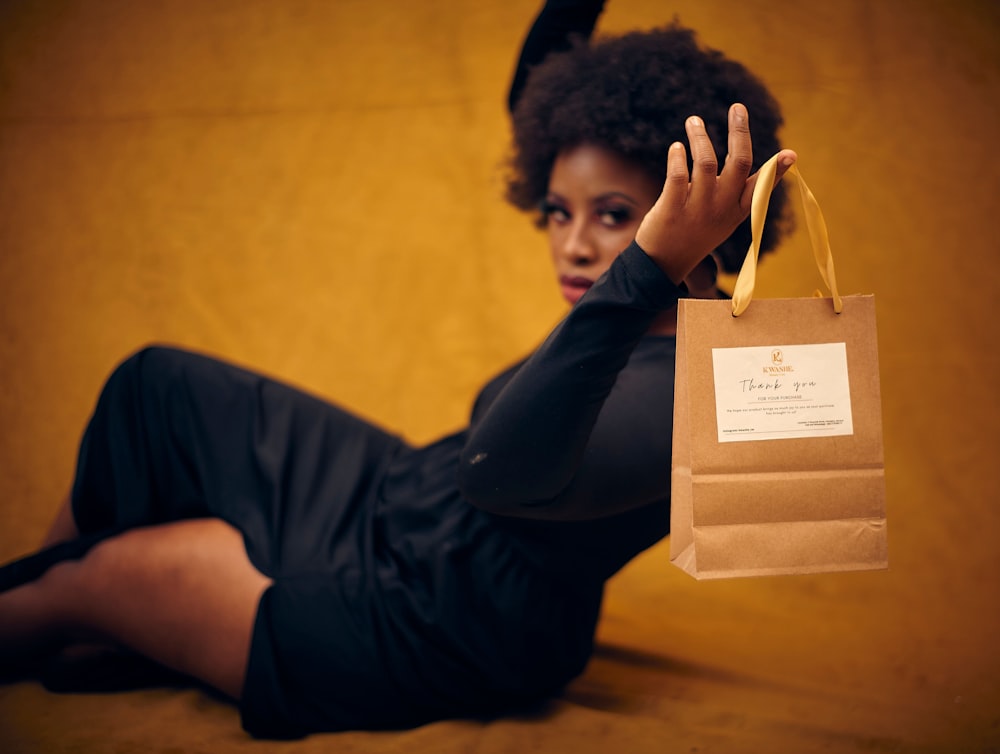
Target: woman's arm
{"x": 528, "y": 456}
{"x": 553, "y": 444}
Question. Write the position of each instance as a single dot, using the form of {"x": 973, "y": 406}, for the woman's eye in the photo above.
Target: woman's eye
{"x": 614, "y": 217}
{"x": 554, "y": 212}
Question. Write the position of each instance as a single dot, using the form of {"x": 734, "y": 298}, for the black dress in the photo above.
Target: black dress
{"x": 463, "y": 578}
{"x": 409, "y": 583}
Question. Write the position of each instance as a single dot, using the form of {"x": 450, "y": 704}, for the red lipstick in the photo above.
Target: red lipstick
{"x": 574, "y": 286}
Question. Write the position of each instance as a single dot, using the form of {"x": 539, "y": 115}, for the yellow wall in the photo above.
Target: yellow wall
{"x": 313, "y": 189}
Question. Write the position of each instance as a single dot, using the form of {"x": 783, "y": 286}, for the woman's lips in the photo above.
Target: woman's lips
{"x": 573, "y": 287}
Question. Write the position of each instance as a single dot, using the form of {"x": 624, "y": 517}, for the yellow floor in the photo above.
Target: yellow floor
{"x": 313, "y": 189}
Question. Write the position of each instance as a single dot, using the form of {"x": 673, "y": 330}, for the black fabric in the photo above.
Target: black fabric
{"x": 410, "y": 584}
{"x": 557, "y": 25}
{"x": 450, "y": 608}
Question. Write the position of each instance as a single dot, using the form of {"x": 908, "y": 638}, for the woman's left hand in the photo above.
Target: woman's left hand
{"x": 695, "y": 214}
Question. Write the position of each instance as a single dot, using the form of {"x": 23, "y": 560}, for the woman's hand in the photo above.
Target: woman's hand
{"x": 696, "y": 213}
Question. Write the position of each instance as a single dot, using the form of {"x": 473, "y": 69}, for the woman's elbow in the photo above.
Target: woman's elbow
{"x": 481, "y": 485}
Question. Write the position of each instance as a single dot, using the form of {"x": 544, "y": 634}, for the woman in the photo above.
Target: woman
{"x": 328, "y": 576}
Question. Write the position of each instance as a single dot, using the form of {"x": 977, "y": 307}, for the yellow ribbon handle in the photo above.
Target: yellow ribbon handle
{"x": 747, "y": 279}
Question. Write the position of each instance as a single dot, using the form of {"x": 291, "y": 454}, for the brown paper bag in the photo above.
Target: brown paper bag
{"x": 777, "y": 446}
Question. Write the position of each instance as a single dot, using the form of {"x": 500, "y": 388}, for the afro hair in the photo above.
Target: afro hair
{"x": 631, "y": 94}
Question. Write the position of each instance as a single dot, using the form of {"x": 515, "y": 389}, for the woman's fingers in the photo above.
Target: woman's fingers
{"x": 675, "y": 188}
{"x": 700, "y": 208}
{"x": 704, "y": 163}
{"x": 713, "y": 192}
{"x": 739, "y": 160}
{"x": 786, "y": 158}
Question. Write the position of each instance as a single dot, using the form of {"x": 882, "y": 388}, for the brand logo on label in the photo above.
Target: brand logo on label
{"x": 778, "y": 365}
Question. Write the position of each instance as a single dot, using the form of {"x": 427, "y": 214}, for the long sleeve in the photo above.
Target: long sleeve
{"x": 563, "y": 439}
{"x": 553, "y": 30}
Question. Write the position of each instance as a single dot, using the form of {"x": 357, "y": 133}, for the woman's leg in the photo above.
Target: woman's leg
{"x": 184, "y": 594}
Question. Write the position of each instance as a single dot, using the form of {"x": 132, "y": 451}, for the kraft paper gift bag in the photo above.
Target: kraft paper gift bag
{"x": 777, "y": 449}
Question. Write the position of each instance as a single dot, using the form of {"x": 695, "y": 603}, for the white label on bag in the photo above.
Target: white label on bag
{"x": 782, "y": 392}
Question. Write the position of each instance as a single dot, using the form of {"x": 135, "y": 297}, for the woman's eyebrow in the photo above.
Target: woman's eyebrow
{"x": 615, "y": 195}
{"x": 555, "y": 196}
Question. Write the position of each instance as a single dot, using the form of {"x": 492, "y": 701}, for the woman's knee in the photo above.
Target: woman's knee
{"x": 153, "y": 362}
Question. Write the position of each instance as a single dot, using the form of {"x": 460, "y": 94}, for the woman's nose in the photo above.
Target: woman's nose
{"x": 577, "y": 245}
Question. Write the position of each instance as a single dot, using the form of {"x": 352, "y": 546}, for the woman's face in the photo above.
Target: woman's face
{"x": 593, "y": 208}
